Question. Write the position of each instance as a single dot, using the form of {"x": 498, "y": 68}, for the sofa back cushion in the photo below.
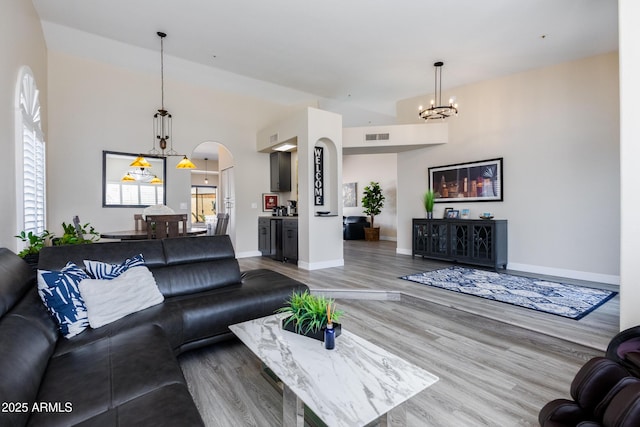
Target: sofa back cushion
{"x": 197, "y": 264}
{"x": 56, "y": 257}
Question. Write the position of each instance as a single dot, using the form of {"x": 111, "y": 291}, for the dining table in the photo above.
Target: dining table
{"x": 142, "y": 234}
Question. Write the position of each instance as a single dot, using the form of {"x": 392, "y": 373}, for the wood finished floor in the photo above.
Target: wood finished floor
{"x": 498, "y": 364}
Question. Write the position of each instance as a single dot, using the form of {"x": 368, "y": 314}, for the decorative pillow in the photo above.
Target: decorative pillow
{"x": 60, "y": 294}
{"x": 103, "y": 270}
{"x": 110, "y": 300}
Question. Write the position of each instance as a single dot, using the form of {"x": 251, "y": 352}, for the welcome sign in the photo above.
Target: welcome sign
{"x": 318, "y": 176}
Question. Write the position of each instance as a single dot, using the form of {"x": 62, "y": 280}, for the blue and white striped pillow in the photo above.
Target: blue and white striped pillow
{"x": 106, "y": 271}
{"x": 60, "y": 294}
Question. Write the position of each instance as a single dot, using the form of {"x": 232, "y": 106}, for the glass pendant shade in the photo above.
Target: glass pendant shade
{"x": 128, "y": 178}
{"x": 140, "y": 162}
{"x": 185, "y": 163}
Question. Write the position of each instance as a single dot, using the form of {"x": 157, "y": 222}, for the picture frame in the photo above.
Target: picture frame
{"x": 479, "y": 181}
{"x": 269, "y": 201}
{"x": 453, "y": 214}
{"x": 446, "y": 212}
{"x": 350, "y": 194}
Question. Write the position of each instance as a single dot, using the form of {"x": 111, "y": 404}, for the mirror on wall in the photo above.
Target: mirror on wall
{"x": 127, "y": 186}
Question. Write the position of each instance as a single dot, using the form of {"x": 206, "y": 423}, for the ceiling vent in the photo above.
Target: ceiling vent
{"x": 376, "y": 137}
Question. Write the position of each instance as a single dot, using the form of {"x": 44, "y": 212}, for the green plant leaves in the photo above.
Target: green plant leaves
{"x": 309, "y": 312}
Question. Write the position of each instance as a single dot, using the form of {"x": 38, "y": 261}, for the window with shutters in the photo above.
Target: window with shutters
{"x": 33, "y": 155}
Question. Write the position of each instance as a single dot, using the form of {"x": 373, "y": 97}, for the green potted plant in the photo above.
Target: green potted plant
{"x": 35, "y": 242}
{"x": 372, "y": 202}
{"x": 429, "y": 199}
{"x": 308, "y": 314}
{"x": 76, "y": 236}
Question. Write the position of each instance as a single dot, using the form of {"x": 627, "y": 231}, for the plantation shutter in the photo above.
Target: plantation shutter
{"x": 33, "y": 160}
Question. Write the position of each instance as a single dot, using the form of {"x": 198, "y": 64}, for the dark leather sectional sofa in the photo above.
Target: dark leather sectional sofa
{"x": 124, "y": 373}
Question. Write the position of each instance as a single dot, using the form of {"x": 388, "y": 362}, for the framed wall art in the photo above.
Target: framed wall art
{"x": 349, "y": 194}
{"x": 269, "y": 201}
{"x": 479, "y": 181}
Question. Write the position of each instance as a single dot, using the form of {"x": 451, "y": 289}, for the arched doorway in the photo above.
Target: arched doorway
{"x": 212, "y": 184}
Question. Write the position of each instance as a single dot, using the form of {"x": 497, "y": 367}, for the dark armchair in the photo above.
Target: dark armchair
{"x": 353, "y": 227}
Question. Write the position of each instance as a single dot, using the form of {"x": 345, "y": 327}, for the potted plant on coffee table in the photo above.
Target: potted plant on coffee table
{"x": 372, "y": 202}
{"x": 308, "y": 314}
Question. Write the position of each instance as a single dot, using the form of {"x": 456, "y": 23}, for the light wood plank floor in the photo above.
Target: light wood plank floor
{"x": 498, "y": 364}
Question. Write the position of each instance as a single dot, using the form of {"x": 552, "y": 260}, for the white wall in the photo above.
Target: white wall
{"x": 364, "y": 168}
{"x": 96, "y": 106}
{"x": 22, "y": 45}
{"x": 557, "y": 129}
{"x": 319, "y": 238}
{"x": 629, "y": 11}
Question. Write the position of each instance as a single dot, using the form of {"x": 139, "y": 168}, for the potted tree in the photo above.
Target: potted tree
{"x": 372, "y": 202}
{"x": 429, "y": 198}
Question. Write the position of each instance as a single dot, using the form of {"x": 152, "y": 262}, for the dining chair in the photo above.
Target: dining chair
{"x": 166, "y": 226}
{"x": 76, "y": 224}
{"x": 223, "y": 222}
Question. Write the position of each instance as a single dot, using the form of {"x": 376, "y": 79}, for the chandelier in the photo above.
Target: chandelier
{"x": 436, "y": 110}
{"x": 162, "y": 126}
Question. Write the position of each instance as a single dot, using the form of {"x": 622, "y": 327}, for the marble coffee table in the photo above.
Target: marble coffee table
{"x": 355, "y": 384}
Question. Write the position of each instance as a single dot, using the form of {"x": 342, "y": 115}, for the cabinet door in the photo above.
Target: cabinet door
{"x": 437, "y": 240}
{"x": 280, "y": 171}
{"x": 483, "y": 244}
{"x": 459, "y": 240}
{"x": 420, "y": 237}
{"x": 290, "y": 240}
{"x": 264, "y": 236}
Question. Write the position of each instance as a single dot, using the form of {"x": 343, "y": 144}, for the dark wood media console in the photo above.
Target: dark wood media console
{"x": 470, "y": 241}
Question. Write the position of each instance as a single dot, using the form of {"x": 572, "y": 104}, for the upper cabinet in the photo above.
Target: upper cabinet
{"x": 280, "y": 171}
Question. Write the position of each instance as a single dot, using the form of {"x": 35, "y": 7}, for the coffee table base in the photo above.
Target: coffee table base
{"x": 292, "y": 409}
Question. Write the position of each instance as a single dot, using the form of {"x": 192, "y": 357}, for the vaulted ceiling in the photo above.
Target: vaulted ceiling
{"x": 355, "y": 57}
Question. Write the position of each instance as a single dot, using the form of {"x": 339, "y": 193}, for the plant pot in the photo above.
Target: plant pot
{"x": 316, "y": 335}
{"x": 372, "y": 234}
{"x": 429, "y": 215}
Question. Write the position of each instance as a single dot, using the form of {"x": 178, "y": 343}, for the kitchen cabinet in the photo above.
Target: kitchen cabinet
{"x": 280, "y": 162}
{"x": 290, "y": 240}
{"x": 278, "y": 238}
{"x": 264, "y": 236}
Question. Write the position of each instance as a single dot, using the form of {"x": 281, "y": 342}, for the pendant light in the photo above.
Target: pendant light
{"x": 436, "y": 110}
{"x": 163, "y": 125}
{"x": 206, "y": 170}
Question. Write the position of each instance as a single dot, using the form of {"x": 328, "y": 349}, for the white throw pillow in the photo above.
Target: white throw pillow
{"x": 110, "y": 300}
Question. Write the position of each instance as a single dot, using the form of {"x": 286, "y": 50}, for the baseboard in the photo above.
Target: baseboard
{"x": 320, "y": 265}
{"x": 561, "y": 272}
{"x": 248, "y": 254}
{"x": 403, "y": 251}
{"x": 389, "y": 238}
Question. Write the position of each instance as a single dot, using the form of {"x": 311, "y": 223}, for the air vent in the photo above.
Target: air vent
{"x": 376, "y": 137}
{"x": 273, "y": 138}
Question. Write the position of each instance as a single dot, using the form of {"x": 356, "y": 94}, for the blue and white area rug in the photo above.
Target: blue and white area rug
{"x": 562, "y": 299}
